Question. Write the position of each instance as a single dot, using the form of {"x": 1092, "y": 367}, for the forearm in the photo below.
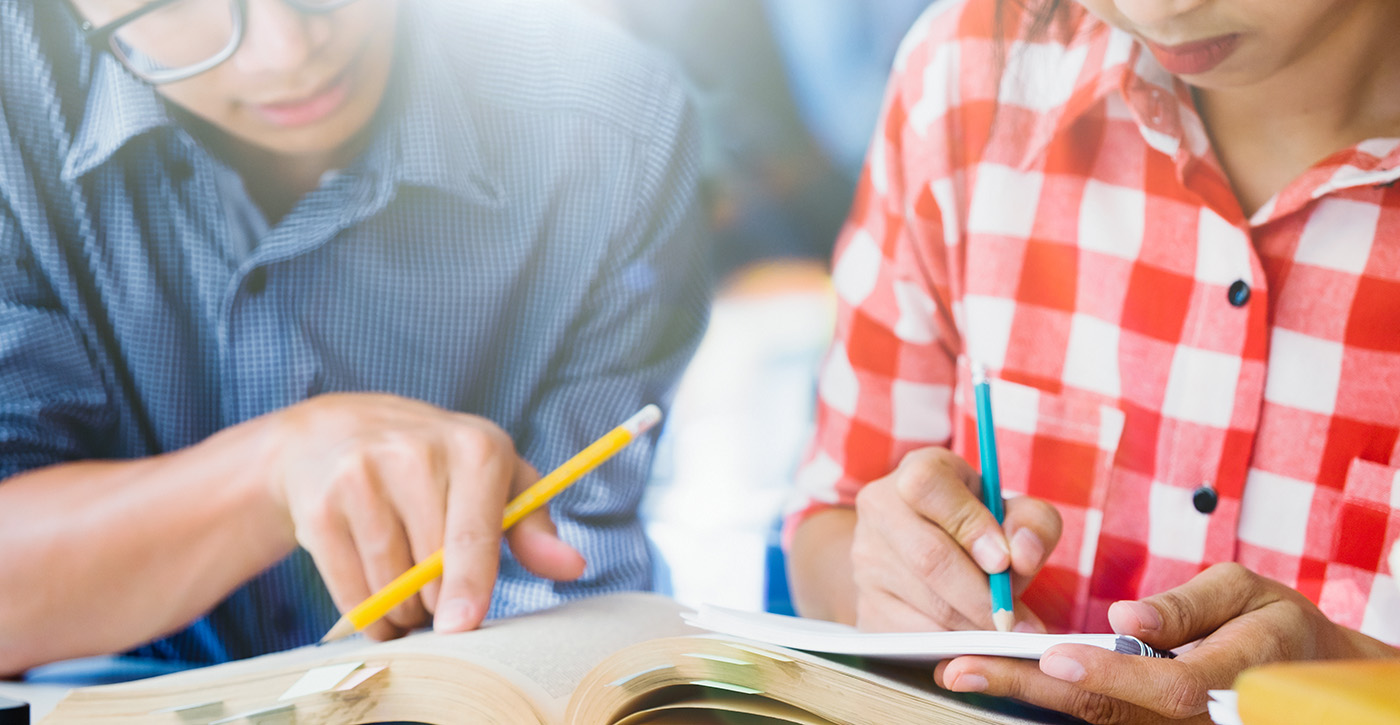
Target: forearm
{"x": 97, "y": 556}
{"x": 819, "y": 566}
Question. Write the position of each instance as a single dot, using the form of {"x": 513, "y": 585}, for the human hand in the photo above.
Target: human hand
{"x": 924, "y": 544}
{"x": 373, "y": 483}
{"x": 1241, "y": 619}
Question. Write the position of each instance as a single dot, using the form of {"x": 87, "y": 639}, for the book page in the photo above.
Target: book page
{"x": 678, "y": 672}
{"x": 554, "y": 649}
{"x": 907, "y": 648}
{"x": 540, "y": 656}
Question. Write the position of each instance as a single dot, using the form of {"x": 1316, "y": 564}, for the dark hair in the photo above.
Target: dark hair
{"x": 1043, "y": 13}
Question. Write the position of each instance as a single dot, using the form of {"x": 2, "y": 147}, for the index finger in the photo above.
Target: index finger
{"x": 482, "y": 467}
{"x": 944, "y": 489}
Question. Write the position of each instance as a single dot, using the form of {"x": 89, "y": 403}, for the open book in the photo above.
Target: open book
{"x": 623, "y": 659}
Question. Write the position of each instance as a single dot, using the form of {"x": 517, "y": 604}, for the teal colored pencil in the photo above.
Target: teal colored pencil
{"x": 1003, "y": 614}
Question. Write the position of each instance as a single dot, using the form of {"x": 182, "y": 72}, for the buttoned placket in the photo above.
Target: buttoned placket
{"x": 1210, "y": 483}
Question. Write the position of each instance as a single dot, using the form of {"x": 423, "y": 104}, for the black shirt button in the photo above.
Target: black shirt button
{"x": 1205, "y": 499}
{"x": 180, "y": 171}
{"x": 1239, "y": 293}
{"x": 256, "y": 281}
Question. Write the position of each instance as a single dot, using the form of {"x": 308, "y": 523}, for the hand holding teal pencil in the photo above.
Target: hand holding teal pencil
{"x": 924, "y": 543}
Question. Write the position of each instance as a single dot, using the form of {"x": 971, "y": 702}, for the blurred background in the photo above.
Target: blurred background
{"x": 788, "y": 93}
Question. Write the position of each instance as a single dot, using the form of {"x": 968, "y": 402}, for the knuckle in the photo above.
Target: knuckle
{"x": 966, "y": 521}
{"x": 916, "y": 470}
{"x": 1048, "y": 514}
{"x": 1183, "y": 607}
{"x": 1184, "y": 697}
{"x": 1232, "y": 573}
{"x": 407, "y": 454}
{"x": 320, "y": 516}
{"x": 1098, "y": 709}
{"x": 478, "y": 444}
{"x": 930, "y": 563}
{"x": 868, "y": 497}
{"x": 470, "y": 538}
{"x": 378, "y": 543}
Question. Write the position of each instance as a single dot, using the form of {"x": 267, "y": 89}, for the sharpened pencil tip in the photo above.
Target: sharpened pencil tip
{"x": 342, "y": 629}
{"x": 1004, "y": 620}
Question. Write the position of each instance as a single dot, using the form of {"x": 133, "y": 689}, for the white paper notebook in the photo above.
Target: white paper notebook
{"x": 911, "y": 648}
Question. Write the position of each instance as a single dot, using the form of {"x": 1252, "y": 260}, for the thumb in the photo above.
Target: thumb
{"x": 1033, "y": 527}
{"x": 1191, "y": 611}
{"x": 536, "y": 545}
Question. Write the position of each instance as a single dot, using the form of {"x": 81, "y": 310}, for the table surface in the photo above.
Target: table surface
{"x": 41, "y": 698}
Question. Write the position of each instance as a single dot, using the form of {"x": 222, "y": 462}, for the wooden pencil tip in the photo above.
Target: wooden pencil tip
{"x": 342, "y": 629}
{"x": 1004, "y": 620}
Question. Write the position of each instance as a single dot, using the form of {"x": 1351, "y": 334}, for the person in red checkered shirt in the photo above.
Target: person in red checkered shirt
{"x": 1170, "y": 229}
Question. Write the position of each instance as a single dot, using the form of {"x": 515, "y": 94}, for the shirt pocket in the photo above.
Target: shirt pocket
{"x": 1360, "y": 526}
{"x": 1058, "y": 448}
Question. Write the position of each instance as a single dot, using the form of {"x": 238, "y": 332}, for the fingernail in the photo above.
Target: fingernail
{"x": 1024, "y": 626}
{"x": 990, "y": 553}
{"x": 453, "y": 616}
{"x": 1149, "y": 620}
{"x": 1061, "y": 667}
{"x": 1027, "y": 548}
{"x": 968, "y": 682}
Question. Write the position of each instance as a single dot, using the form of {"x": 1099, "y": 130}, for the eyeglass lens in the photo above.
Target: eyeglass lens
{"x": 183, "y": 37}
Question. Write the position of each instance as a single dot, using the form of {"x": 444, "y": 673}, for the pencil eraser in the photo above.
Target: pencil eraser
{"x": 13, "y": 712}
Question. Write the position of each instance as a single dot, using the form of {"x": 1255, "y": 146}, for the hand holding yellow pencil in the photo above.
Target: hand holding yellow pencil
{"x": 413, "y": 580}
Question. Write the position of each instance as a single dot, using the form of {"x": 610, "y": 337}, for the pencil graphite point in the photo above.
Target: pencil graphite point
{"x": 342, "y": 629}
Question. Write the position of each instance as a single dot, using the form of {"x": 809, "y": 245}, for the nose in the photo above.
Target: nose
{"x": 1156, "y": 13}
{"x": 277, "y": 37}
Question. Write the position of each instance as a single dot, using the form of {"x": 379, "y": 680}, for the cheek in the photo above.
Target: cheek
{"x": 366, "y": 22}
{"x": 207, "y": 96}
{"x": 1107, "y": 11}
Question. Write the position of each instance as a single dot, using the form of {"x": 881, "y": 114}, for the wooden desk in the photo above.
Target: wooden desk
{"x": 41, "y": 698}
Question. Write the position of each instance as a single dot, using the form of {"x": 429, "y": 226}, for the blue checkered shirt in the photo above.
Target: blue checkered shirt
{"x": 520, "y": 241}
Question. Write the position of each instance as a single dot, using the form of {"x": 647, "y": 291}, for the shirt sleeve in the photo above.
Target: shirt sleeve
{"x": 886, "y": 385}
{"x": 641, "y": 323}
{"x": 53, "y": 403}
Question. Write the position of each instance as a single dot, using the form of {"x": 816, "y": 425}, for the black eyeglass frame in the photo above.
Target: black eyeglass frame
{"x": 103, "y": 38}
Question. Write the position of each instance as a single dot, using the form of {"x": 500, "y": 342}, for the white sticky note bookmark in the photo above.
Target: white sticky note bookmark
{"x": 359, "y": 677}
{"x": 320, "y": 679}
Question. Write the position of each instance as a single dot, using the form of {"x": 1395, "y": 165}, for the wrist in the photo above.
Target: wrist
{"x": 246, "y": 459}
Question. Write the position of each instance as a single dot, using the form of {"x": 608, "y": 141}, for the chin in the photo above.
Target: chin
{"x": 325, "y": 136}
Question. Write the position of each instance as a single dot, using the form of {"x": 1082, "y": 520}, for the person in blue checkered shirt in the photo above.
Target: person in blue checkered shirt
{"x": 295, "y": 292}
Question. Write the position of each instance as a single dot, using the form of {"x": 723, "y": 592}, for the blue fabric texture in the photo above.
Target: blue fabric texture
{"x": 519, "y": 241}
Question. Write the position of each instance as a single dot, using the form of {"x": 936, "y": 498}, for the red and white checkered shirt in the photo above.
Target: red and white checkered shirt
{"x": 1068, "y": 226}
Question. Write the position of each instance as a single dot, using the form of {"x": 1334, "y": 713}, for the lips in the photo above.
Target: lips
{"x": 1195, "y": 57}
{"x": 308, "y": 109}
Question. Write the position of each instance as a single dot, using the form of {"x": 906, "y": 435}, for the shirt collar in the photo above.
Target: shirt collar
{"x": 119, "y": 108}
{"x": 427, "y": 137}
{"x": 1107, "y": 61}
{"x": 1103, "y": 61}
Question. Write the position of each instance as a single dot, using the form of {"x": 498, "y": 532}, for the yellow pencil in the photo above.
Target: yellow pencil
{"x": 410, "y": 582}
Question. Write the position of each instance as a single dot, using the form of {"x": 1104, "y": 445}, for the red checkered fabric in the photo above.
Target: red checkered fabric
{"x": 1067, "y": 225}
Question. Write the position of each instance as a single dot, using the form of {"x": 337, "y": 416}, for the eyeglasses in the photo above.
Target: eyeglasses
{"x": 170, "y": 40}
